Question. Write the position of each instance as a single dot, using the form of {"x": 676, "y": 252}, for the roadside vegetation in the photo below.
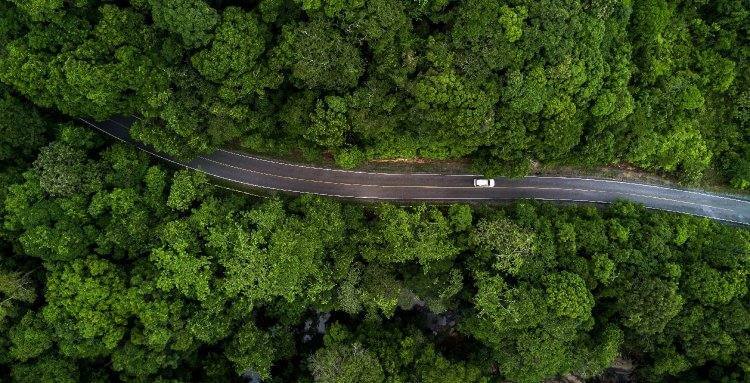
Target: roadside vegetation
{"x": 660, "y": 84}
{"x": 116, "y": 268}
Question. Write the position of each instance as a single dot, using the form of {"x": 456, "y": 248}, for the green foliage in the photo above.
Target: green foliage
{"x": 461, "y": 217}
{"x": 47, "y": 369}
{"x": 328, "y": 123}
{"x": 555, "y": 317}
{"x": 164, "y": 277}
{"x": 350, "y": 158}
{"x": 29, "y": 338}
{"x": 86, "y": 308}
{"x": 238, "y": 42}
{"x": 15, "y": 288}
{"x": 187, "y": 187}
{"x": 507, "y": 246}
{"x": 402, "y": 236}
{"x": 233, "y": 59}
{"x": 341, "y": 363}
{"x": 650, "y": 305}
{"x": 114, "y": 268}
{"x": 193, "y": 20}
{"x": 319, "y": 57}
{"x": 657, "y": 84}
{"x": 41, "y": 10}
{"x": 568, "y": 295}
{"x": 251, "y": 350}
{"x": 712, "y": 287}
{"x": 62, "y": 170}
{"x": 21, "y": 129}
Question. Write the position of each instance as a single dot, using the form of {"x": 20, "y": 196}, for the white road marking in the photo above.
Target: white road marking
{"x": 442, "y": 198}
{"x": 646, "y": 185}
{"x": 469, "y": 175}
{"x": 458, "y": 187}
{"x": 340, "y": 170}
{"x": 239, "y": 191}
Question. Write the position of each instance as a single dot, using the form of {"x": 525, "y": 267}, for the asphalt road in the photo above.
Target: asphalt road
{"x": 256, "y": 172}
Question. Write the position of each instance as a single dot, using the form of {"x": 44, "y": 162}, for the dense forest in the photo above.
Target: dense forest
{"x": 663, "y": 85}
{"x": 116, "y": 268}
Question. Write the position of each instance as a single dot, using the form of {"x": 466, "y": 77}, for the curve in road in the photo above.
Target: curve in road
{"x": 256, "y": 172}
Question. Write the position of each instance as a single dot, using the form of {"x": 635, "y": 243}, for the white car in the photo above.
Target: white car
{"x": 484, "y": 182}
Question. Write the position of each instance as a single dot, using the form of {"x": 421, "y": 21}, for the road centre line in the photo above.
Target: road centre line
{"x": 457, "y": 187}
{"x": 239, "y": 154}
{"x": 454, "y": 198}
{"x": 645, "y": 185}
{"x": 341, "y": 170}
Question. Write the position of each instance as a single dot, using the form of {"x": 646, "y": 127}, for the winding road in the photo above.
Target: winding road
{"x": 256, "y": 172}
